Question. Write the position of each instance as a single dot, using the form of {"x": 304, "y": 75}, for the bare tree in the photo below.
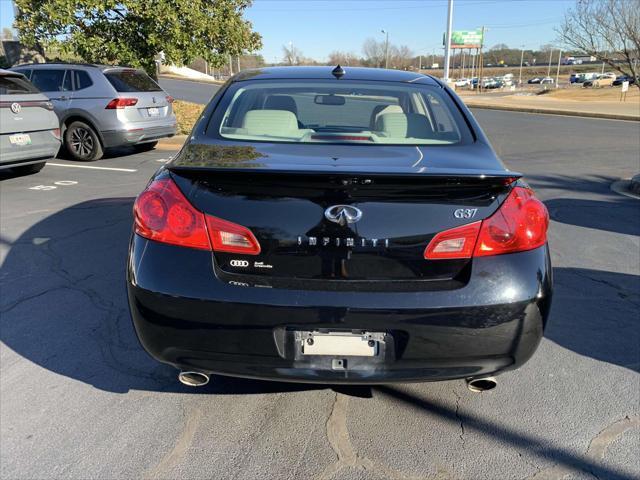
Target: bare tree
{"x": 607, "y": 29}
{"x": 374, "y": 52}
{"x": 343, "y": 58}
{"x": 291, "y": 55}
{"x": 401, "y": 57}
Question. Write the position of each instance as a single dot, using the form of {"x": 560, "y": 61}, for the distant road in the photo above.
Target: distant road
{"x": 189, "y": 91}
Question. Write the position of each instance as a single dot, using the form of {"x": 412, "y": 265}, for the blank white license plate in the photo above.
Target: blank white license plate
{"x": 337, "y": 344}
{"x": 20, "y": 139}
{"x": 154, "y": 111}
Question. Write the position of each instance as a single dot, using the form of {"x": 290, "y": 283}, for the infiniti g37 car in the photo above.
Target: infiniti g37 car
{"x": 347, "y": 225}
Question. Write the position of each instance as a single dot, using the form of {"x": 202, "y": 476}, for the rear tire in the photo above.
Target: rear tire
{"x": 82, "y": 142}
{"x": 145, "y": 147}
{"x": 29, "y": 169}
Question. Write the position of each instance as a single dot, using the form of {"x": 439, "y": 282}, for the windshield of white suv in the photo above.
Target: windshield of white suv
{"x": 339, "y": 112}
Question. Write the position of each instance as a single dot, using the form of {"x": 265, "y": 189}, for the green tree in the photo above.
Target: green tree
{"x": 133, "y": 32}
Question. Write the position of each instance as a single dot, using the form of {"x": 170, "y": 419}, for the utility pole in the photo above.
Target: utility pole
{"x": 549, "y": 69}
{"x": 386, "y": 48}
{"x": 238, "y": 63}
{"x": 447, "y": 44}
{"x": 521, "y": 59}
{"x": 419, "y": 62}
{"x": 558, "y": 70}
{"x": 230, "y": 66}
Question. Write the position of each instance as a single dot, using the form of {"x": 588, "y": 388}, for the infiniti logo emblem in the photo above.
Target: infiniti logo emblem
{"x": 16, "y": 107}
{"x": 343, "y": 214}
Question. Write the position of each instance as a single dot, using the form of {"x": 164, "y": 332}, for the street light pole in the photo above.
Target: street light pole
{"x": 521, "y": 59}
{"x": 558, "y": 70}
{"x": 549, "y": 69}
{"x": 386, "y": 48}
{"x": 447, "y": 45}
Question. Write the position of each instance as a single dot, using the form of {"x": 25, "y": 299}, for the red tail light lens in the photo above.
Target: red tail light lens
{"x": 455, "y": 243}
{"x": 118, "y": 103}
{"x": 170, "y": 99}
{"x": 519, "y": 224}
{"x": 56, "y": 133}
{"x": 231, "y": 237}
{"x": 162, "y": 213}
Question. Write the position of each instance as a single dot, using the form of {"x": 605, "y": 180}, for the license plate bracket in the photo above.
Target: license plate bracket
{"x": 339, "y": 344}
{"x": 20, "y": 139}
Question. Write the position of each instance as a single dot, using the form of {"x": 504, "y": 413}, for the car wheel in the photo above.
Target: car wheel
{"x": 29, "y": 169}
{"x": 145, "y": 147}
{"x": 82, "y": 142}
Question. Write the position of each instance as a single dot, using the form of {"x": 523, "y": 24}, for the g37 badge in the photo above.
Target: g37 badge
{"x": 465, "y": 212}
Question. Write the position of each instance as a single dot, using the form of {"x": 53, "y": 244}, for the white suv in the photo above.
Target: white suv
{"x": 103, "y": 106}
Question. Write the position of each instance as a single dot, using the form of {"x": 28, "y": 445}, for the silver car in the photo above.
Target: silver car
{"x": 104, "y": 106}
{"x": 29, "y": 129}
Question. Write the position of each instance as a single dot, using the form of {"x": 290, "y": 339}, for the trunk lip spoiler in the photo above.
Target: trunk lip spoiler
{"x": 346, "y": 170}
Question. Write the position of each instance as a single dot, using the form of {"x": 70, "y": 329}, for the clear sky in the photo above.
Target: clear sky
{"x": 318, "y": 27}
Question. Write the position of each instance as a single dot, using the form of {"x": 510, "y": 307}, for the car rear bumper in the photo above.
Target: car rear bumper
{"x": 44, "y": 147}
{"x": 136, "y": 135}
{"x": 186, "y": 317}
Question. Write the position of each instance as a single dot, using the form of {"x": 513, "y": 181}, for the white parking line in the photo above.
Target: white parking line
{"x": 93, "y": 168}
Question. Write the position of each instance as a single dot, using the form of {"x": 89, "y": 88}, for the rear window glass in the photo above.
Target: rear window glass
{"x": 15, "y": 86}
{"x": 342, "y": 111}
{"x": 48, "y": 80}
{"x": 132, "y": 81}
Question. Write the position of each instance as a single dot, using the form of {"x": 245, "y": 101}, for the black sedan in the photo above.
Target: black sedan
{"x": 339, "y": 226}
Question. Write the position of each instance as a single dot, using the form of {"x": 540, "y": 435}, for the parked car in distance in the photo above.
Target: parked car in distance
{"x": 104, "y": 106}
{"x": 546, "y": 81}
{"x": 346, "y": 225}
{"x": 463, "y": 82}
{"x": 623, "y": 78}
{"x": 535, "y": 80}
{"x": 29, "y": 129}
{"x": 574, "y": 78}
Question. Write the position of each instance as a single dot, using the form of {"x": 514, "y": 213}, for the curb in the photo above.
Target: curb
{"x": 570, "y": 113}
{"x": 186, "y": 79}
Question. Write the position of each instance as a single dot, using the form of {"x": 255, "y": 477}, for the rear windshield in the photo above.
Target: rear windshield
{"x": 132, "y": 81}
{"x": 338, "y": 111}
{"x": 16, "y": 86}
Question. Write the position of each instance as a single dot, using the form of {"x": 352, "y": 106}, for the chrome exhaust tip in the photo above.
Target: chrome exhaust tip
{"x": 193, "y": 379}
{"x": 484, "y": 384}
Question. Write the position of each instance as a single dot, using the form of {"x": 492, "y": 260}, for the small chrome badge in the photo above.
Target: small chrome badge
{"x": 16, "y": 107}
{"x": 343, "y": 214}
{"x": 465, "y": 212}
{"x": 239, "y": 263}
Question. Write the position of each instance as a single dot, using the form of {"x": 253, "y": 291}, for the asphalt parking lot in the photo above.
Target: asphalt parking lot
{"x": 79, "y": 398}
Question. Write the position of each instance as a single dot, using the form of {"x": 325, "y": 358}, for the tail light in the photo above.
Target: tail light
{"x": 118, "y": 103}
{"x": 519, "y": 224}
{"x": 162, "y": 213}
{"x": 455, "y": 243}
{"x": 230, "y": 237}
{"x": 170, "y": 99}
{"x": 56, "y": 133}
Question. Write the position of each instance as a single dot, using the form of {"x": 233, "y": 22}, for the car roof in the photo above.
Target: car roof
{"x": 321, "y": 73}
{"x": 9, "y": 73}
{"x": 74, "y": 64}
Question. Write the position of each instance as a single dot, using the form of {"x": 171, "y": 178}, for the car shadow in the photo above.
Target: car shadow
{"x": 64, "y": 307}
{"x": 615, "y": 213}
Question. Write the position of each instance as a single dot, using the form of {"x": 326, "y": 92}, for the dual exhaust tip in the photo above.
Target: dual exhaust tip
{"x": 199, "y": 379}
{"x": 479, "y": 385}
{"x": 193, "y": 379}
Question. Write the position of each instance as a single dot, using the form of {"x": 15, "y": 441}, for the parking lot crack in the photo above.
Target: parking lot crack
{"x": 458, "y": 399}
